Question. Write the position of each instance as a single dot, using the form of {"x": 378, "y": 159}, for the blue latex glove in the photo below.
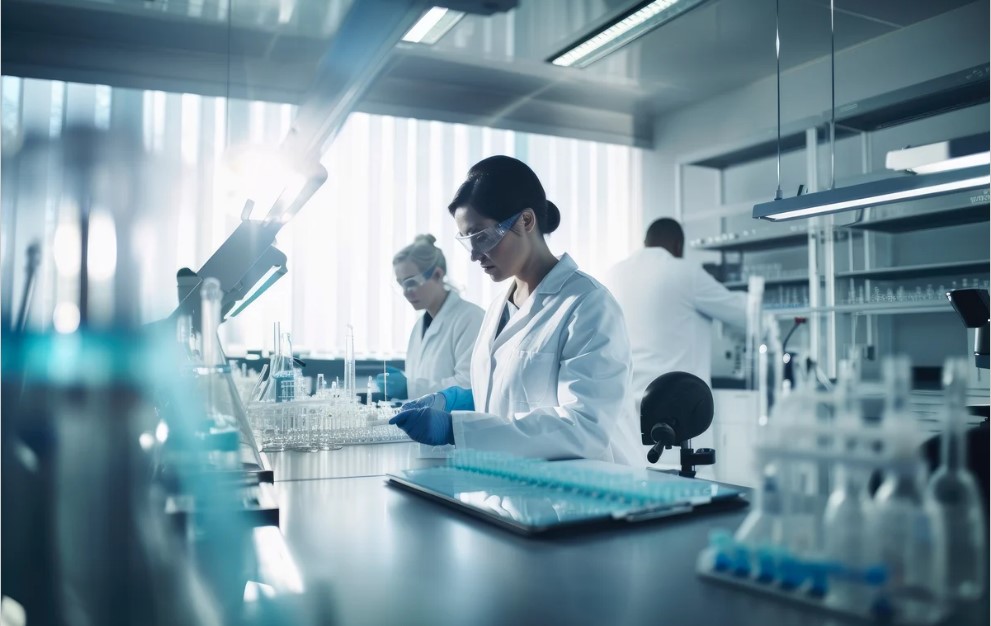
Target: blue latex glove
{"x": 426, "y": 425}
{"x": 396, "y": 382}
{"x": 429, "y": 401}
{"x": 458, "y": 399}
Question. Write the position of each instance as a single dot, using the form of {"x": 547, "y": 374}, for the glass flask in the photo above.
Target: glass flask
{"x": 953, "y": 494}
{"x": 282, "y": 384}
{"x": 845, "y": 517}
{"x": 907, "y": 535}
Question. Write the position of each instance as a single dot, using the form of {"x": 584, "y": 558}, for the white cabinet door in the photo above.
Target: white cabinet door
{"x": 733, "y": 435}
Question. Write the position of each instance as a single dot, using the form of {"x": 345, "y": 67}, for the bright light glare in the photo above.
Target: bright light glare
{"x": 423, "y": 26}
{"x": 66, "y": 318}
{"x": 971, "y": 160}
{"x": 933, "y": 157}
{"x": 146, "y": 441}
{"x": 101, "y": 256}
{"x": 67, "y": 247}
{"x": 260, "y": 174}
{"x": 162, "y": 432}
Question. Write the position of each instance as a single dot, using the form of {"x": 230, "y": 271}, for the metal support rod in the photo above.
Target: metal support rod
{"x": 812, "y": 183}
{"x": 829, "y": 275}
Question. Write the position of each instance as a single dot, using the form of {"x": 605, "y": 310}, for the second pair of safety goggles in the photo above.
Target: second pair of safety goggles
{"x": 416, "y": 280}
{"x": 484, "y": 240}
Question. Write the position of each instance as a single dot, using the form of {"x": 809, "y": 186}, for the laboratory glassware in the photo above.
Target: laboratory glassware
{"x": 845, "y": 517}
{"x": 953, "y": 494}
{"x": 908, "y": 536}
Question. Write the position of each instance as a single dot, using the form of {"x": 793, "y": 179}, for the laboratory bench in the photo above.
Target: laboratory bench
{"x": 389, "y": 556}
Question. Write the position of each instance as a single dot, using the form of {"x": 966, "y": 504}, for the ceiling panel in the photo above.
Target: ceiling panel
{"x": 496, "y": 64}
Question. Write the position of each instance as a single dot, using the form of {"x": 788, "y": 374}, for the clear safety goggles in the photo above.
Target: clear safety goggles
{"x": 484, "y": 240}
{"x": 415, "y": 281}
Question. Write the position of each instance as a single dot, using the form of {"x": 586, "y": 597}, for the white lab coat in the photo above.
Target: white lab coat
{"x": 441, "y": 358}
{"x": 669, "y": 304}
{"x": 555, "y": 383}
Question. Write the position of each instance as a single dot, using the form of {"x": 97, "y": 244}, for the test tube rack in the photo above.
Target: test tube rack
{"x": 618, "y": 485}
{"x": 776, "y": 571}
{"x": 321, "y": 423}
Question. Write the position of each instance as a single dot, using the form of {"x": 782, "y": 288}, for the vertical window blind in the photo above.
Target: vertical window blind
{"x": 390, "y": 178}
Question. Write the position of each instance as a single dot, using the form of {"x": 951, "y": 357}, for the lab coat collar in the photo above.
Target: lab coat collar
{"x": 552, "y": 283}
{"x": 450, "y": 302}
{"x": 558, "y": 276}
{"x": 657, "y": 251}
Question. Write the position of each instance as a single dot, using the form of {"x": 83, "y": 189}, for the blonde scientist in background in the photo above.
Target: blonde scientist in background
{"x": 439, "y": 351}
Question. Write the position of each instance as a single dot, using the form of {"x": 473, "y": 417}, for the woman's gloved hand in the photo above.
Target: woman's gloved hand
{"x": 425, "y": 424}
{"x": 393, "y": 385}
{"x": 430, "y": 401}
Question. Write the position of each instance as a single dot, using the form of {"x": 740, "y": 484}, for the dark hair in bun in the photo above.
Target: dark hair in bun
{"x": 499, "y": 187}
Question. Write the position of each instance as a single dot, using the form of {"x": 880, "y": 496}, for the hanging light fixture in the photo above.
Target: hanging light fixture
{"x": 621, "y": 30}
{"x": 942, "y": 156}
{"x": 934, "y": 170}
{"x": 873, "y": 193}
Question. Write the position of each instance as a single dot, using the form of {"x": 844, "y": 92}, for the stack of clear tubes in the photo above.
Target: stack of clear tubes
{"x": 816, "y": 533}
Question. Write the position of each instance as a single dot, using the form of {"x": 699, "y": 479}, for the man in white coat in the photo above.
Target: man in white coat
{"x": 669, "y": 304}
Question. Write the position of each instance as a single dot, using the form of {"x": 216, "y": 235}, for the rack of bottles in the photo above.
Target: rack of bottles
{"x": 284, "y": 416}
{"x": 816, "y": 535}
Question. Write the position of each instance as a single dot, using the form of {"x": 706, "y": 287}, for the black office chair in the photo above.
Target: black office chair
{"x": 676, "y": 407}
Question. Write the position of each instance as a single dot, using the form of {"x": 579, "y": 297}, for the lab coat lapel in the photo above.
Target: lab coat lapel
{"x": 442, "y": 315}
{"x": 550, "y": 285}
{"x": 483, "y": 359}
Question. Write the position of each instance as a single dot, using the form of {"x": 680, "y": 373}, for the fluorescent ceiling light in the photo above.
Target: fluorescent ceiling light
{"x": 638, "y": 21}
{"x": 943, "y": 156}
{"x": 874, "y": 193}
{"x": 432, "y": 26}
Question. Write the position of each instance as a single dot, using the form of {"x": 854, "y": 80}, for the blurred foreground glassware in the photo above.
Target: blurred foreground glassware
{"x": 953, "y": 495}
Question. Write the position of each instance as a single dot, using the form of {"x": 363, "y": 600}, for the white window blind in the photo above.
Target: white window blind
{"x": 390, "y": 179}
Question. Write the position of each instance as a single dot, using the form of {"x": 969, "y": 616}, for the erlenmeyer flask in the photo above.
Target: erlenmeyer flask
{"x": 281, "y": 377}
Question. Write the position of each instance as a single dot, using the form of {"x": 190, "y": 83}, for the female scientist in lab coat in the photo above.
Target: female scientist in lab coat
{"x": 550, "y": 371}
{"x": 439, "y": 351}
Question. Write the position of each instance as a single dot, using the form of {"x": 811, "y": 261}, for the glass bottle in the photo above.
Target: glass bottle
{"x": 953, "y": 495}
{"x": 845, "y": 517}
{"x": 908, "y": 537}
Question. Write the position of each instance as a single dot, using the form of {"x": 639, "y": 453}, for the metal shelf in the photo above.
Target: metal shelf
{"x": 751, "y": 243}
{"x": 960, "y": 89}
{"x": 947, "y": 93}
{"x": 926, "y": 220}
{"x": 791, "y": 140}
{"x": 894, "y": 308}
{"x": 891, "y": 308}
{"x": 742, "y": 284}
{"x": 920, "y": 271}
